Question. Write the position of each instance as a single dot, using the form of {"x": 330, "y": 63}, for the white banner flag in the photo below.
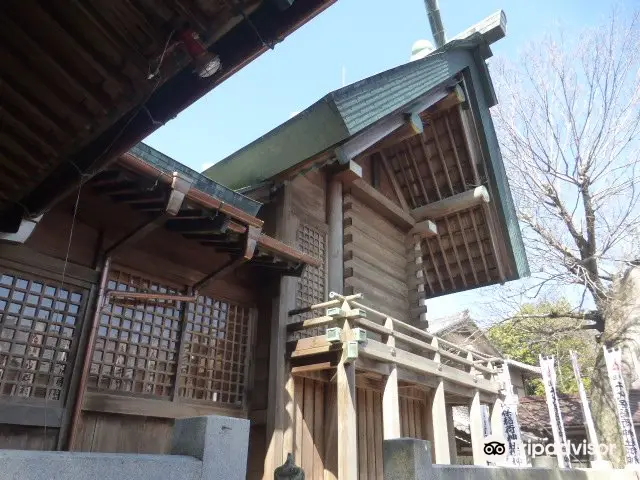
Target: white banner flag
{"x": 586, "y": 409}
{"x": 512, "y": 435}
{"x": 486, "y": 420}
{"x": 548, "y": 368}
{"x": 613, "y": 358}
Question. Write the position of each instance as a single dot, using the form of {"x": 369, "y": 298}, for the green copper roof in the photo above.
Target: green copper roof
{"x": 340, "y": 115}
{"x": 201, "y": 182}
{"x": 345, "y": 112}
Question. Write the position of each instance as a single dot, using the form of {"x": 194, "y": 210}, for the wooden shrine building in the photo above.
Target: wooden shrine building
{"x": 397, "y": 185}
{"x": 130, "y": 304}
{"x": 287, "y": 285}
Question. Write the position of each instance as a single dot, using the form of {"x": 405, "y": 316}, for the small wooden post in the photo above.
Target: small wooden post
{"x": 453, "y": 451}
{"x": 436, "y": 355}
{"x": 347, "y": 420}
{"x": 439, "y": 429}
{"x": 477, "y": 434}
{"x": 390, "y": 402}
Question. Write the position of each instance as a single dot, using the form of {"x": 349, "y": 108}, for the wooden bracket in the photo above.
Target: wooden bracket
{"x": 180, "y": 186}
{"x": 347, "y": 172}
{"x": 252, "y": 237}
{"x": 377, "y": 132}
{"x": 424, "y": 229}
{"x": 451, "y": 205}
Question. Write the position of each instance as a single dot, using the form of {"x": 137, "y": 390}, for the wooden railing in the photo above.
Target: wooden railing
{"x": 389, "y": 340}
{"x": 360, "y": 338}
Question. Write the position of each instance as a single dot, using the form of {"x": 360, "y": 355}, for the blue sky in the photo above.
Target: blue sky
{"x": 357, "y": 38}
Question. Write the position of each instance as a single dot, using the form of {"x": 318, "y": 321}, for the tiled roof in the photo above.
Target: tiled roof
{"x": 442, "y": 325}
{"x": 533, "y": 412}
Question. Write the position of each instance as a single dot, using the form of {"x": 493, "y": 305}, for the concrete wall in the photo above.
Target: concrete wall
{"x": 410, "y": 459}
{"x": 203, "y": 448}
{"x": 468, "y": 472}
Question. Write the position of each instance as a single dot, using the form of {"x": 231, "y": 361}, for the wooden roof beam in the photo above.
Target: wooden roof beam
{"x": 452, "y": 205}
{"x": 424, "y": 229}
{"x": 381, "y": 204}
{"x": 394, "y": 181}
{"x": 369, "y": 137}
{"x": 413, "y": 126}
{"x": 98, "y": 97}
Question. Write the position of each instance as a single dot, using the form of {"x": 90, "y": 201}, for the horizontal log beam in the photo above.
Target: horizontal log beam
{"x": 374, "y": 134}
{"x": 375, "y": 200}
{"x": 424, "y": 229}
{"x": 451, "y": 205}
{"x": 347, "y": 172}
{"x": 411, "y": 361}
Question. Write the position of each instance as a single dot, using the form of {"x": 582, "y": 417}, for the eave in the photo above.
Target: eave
{"x": 97, "y": 101}
{"x": 240, "y": 221}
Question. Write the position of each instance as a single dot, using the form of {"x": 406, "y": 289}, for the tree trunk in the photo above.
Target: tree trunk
{"x": 622, "y": 330}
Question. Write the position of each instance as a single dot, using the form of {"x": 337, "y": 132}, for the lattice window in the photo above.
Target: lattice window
{"x": 311, "y": 287}
{"x": 136, "y": 349}
{"x": 39, "y": 325}
{"x": 214, "y": 360}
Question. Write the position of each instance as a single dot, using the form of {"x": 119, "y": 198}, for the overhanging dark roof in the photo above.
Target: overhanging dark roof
{"x": 78, "y": 84}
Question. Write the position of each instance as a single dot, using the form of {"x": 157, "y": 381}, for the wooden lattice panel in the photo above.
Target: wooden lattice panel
{"x": 39, "y": 326}
{"x": 215, "y": 353}
{"x": 136, "y": 349}
{"x": 311, "y": 287}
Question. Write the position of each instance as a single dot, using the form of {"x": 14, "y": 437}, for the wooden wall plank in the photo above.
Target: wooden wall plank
{"x": 113, "y": 433}
{"x": 19, "y": 437}
{"x": 308, "y": 196}
{"x": 299, "y": 400}
{"x": 355, "y": 209}
{"x": 373, "y": 275}
{"x": 363, "y": 446}
{"x": 318, "y": 429}
{"x": 331, "y": 433}
{"x": 377, "y": 415}
{"x": 86, "y": 432}
{"x": 257, "y": 451}
{"x": 395, "y": 269}
{"x": 306, "y": 461}
{"x": 375, "y": 259}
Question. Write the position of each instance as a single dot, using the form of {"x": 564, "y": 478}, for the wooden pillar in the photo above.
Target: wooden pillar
{"x": 336, "y": 238}
{"x": 390, "y": 402}
{"x": 438, "y": 429}
{"x": 278, "y": 405}
{"x": 453, "y": 451}
{"x": 476, "y": 427}
{"x": 347, "y": 420}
